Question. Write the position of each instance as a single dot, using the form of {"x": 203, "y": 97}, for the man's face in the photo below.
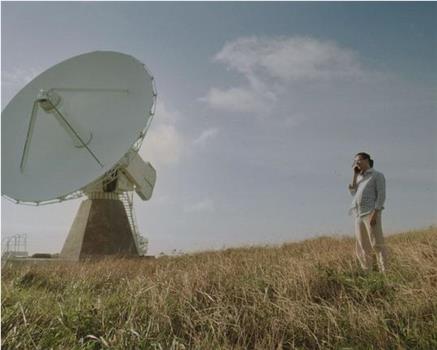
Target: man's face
{"x": 361, "y": 163}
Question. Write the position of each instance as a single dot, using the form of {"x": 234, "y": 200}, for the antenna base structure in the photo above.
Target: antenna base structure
{"x": 101, "y": 228}
{"x": 105, "y": 223}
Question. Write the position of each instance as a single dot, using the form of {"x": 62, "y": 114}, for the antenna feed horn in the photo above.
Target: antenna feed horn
{"x": 48, "y": 99}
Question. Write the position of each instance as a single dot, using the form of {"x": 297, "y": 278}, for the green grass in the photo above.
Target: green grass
{"x": 307, "y": 295}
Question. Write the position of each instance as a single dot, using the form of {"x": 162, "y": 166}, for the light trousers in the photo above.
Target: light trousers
{"x": 370, "y": 240}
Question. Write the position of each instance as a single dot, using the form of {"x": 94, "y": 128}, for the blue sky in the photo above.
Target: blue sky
{"x": 261, "y": 108}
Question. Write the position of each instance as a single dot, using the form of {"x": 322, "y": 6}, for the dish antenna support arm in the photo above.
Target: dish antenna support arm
{"x": 48, "y": 100}
{"x": 28, "y": 136}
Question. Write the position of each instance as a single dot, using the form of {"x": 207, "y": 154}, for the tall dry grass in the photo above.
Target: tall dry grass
{"x": 308, "y": 295}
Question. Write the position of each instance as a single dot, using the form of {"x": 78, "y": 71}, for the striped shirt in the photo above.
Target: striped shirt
{"x": 369, "y": 194}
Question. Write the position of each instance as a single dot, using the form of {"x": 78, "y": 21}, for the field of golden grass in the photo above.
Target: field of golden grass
{"x": 307, "y": 295}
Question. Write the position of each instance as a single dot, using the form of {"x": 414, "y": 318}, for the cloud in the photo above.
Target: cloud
{"x": 270, "y": 66}
{"x": 165, "y": 114}
{"x": 15, "y": 79}
{"x": 255, "y": 98}
{"x": 205, "y": 136}
{"x": 164, "y": 144}
{"x": 206, "y": 205}
{"x": 235, "y": 99}
{"x": 292, "y": 58}
{"x": 19, "y": 76}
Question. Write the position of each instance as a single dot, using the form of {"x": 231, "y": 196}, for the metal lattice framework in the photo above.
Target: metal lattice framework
{"x": 14, "y": 246}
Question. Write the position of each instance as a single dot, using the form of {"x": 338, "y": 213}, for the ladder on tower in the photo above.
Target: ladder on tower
{"x": 140, "y": 241}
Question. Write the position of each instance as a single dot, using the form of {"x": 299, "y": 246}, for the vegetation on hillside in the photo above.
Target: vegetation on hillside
{"x": 307, "y": 295}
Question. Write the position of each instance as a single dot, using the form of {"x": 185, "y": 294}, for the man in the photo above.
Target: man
{"x": 368, "y": 189}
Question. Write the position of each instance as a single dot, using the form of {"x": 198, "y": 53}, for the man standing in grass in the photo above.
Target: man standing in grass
{"x": 368, "y": 189}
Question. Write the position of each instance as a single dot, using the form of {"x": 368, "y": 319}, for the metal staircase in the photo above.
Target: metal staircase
{"x": 140, "y": 241}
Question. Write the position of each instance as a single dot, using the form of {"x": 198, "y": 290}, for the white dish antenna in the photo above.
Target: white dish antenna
{"x": 74, "y": 126}
{"x": 76, "y": 129}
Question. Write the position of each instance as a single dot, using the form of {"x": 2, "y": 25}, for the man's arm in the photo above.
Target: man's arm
{"x": 380, "y": 198}
{"x": 380, "y": 192}
{"x": 353, "y": 186}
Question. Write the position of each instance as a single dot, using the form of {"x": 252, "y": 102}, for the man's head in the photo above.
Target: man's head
{"x": 363, "y": 161}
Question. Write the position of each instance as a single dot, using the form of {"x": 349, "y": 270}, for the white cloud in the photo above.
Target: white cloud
{"x": 255, "y": 98}
{"x": 292, "y": 58}
{"x": 271, "y": 65}
{"x": 15, "y": 79}
{"x": 206, "y": 205}
{"x": 205, "y": 136}
{"x": 235, "y": 100}
{"x": 19, "y": 76}
{"x": 163, "y": 144}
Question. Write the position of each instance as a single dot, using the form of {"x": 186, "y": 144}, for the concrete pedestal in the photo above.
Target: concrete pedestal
{"x": 100, "y": 229}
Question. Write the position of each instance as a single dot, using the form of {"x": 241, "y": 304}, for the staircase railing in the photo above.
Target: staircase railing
{"x": 140, "y": 241}
{"x": 14, "y": 246}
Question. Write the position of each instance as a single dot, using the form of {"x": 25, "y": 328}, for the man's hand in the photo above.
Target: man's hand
{"x": 353, "y": 185}
{"x": 373, "y": 217}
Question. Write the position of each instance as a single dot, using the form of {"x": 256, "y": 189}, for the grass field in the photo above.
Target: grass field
{"x": 307, "y": 295}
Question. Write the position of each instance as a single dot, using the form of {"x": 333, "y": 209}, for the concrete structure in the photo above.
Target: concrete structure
{"x": 101, "y": 228}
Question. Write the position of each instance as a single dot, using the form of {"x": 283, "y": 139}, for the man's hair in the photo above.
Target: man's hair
{"x": 365, "y": 155}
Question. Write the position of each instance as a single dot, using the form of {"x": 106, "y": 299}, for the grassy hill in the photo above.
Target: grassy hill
{"x": 307, "y": 295}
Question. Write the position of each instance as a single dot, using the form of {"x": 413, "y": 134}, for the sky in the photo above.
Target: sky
{"x": 261, "y": 109}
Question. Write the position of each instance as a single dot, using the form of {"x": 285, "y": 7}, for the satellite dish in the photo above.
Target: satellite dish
{"x": 76, "y": 129}
{"x": 72, "y": 124}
